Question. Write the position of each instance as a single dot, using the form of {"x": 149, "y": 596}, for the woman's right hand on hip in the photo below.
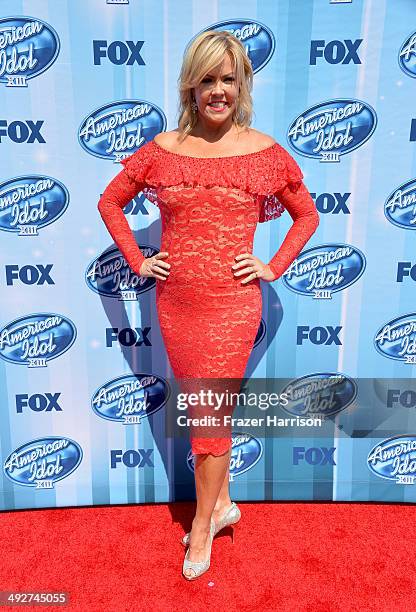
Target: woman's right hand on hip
{"x": 155, "y": 266}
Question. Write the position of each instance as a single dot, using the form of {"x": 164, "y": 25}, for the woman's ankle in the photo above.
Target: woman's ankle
{"x": 222, "y": 504}
{"x": 200, "y": 523}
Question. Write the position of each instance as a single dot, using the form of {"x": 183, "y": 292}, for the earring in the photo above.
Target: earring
{"x": 194, "y": 106}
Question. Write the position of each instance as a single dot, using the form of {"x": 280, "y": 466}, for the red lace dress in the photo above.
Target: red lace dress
{"x": 209, "y": 210}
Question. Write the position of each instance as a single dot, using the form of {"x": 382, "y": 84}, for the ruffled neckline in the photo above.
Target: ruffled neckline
{"x": 263, "y": 173}
{"x": 264, "y": 150}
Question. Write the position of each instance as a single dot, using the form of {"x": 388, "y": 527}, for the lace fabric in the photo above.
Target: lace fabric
{"x": 271, "y": 177}
{"x": 263, "y": 174}
{"x": 210, "y": 208}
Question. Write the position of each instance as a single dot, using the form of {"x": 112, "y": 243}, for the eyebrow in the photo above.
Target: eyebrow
{"x": 225, "y": 75}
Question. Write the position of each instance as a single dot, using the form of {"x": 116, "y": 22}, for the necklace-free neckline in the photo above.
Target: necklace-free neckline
{"x": 268, "y": 148}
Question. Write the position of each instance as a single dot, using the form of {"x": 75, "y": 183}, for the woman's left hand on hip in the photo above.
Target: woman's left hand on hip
{"x": 249, "y": 264}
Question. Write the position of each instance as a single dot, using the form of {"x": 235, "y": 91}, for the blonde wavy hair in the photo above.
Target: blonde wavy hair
{"x": 203, "y": 54}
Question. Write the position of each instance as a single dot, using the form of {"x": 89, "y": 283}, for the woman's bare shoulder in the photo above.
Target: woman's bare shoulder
{"x": 168, "y": 140}
{"x": 260, "y": 140}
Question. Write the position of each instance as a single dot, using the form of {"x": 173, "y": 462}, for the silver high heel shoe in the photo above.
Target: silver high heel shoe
{"x": 231, "y": 516}
{"x": 199, "y": 567}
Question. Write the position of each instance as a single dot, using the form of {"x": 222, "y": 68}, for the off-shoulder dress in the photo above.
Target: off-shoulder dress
{"x": 209, "y": 210}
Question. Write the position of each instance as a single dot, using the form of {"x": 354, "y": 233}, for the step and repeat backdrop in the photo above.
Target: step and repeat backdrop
{"x": 84, "y": 377}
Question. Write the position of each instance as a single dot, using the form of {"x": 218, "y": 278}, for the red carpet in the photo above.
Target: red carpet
{"x": 298, "y": 557}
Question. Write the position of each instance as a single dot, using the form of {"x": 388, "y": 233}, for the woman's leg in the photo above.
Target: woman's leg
{"x": 210, "y": 473}
{"x": 223, "y": 500}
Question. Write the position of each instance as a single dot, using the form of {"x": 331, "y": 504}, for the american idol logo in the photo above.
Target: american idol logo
{"x": 394, "y": 459}
{"x": 257, "y": 39}
{"x": 407, "y": 55}
{"x": 111, "y": 276}
{"x": 129, "y": 399}
{"x": 28, "y": 203}
{"x": 116, "y": 130}
{"x": 28, "y": 47}
{"x": 322, "y": 394}
{"x": 324, "y": 270}
{"x": 246, "y": 451}
{"x": 397, "y": 339}
{"x": 35, "y": 339}
{"x": 332, "y": 128}
{"x": 400, "y": 206}
{"x": 42, "y": 462}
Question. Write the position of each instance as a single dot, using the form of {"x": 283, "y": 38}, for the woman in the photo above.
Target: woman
{"x": 214, "y": 179}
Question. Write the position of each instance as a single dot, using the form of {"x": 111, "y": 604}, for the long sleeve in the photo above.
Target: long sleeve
{"x": 118, "y": 193}
{"x": 299, "y": 204}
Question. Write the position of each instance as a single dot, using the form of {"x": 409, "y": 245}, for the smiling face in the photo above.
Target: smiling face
{"x": 217, "y": 93}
